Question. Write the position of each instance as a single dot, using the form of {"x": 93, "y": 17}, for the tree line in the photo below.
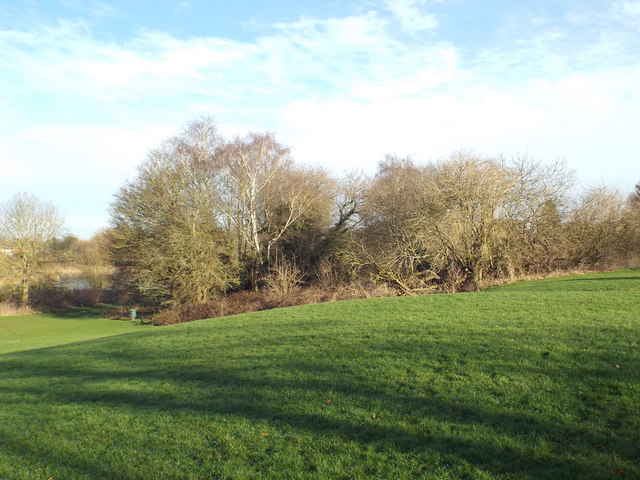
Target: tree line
{"x": 206, "y": 216}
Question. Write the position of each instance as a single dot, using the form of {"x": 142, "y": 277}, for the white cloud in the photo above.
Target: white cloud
{"x": 412, "y": 14}
{"x": 182, "y": 6}
{"x": 67, "y": 59}
{"x": 346, "y": 134}
{"x": 79, "y": 167}
{"x": 10, "y": 170}
{"x": 629, "y": 8}
{"x": 589, "y": 120}
{"x": 85, "y": 226}
{"x": 93, "y": 147}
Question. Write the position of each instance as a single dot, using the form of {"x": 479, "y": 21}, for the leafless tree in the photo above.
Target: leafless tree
{"x": 92, "y": 257}
{"x": 634, "y": 198}
{"x": 393, "y": 244}
{"x": 536, "y": 209}
{"x": 598, "y": 230}
{"x": 26, "y": 225}
{"x": 266, "y": 193}
{"x": 469, "y": 229}
{"x": 349, "y": 199}
{"x": 167, "y": 239}
{"x": 460, "y": 219}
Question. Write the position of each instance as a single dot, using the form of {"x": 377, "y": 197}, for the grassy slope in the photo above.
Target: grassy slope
{"x": 26, "y": 332}
{"x": 534, "y": 380}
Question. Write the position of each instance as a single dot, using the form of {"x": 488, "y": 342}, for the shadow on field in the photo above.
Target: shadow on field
{"x": 93, "y": 311}
{"x": 597, "y": 279}
{"x": 288, "y": 390}
{"x": 49, "y": 455}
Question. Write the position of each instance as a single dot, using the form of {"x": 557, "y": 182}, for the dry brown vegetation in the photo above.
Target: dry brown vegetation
{"x": 11, "y": 308}
{"x": 250, "y": 301}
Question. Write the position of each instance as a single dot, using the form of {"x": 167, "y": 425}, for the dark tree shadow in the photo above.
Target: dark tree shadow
{"x": 257, "y": 391}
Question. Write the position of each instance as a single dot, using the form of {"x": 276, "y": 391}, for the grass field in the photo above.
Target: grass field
{"x": 536, "y": 380}
{"x": 26, "y": 332}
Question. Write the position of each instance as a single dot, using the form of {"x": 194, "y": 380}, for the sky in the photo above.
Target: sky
{"x": 88, "y": 88}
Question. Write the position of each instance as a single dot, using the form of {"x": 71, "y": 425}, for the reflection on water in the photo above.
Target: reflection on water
{"x": 73, "y": 283}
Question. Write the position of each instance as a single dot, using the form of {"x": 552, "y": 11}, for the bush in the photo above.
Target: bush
{"x": 284, "y": 278}
{"x": 240, "y": 302}
{"x": 50, "y": 297}
{"x": 246, "y": 302}
{"x": 10, "y": 308}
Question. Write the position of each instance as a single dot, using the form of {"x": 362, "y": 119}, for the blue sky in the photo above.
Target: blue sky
{"x": 87, "y": 88}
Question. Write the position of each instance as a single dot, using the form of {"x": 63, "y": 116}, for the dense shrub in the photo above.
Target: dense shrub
{"x": 246, "y": 302}
{"x": 49, "y": 297}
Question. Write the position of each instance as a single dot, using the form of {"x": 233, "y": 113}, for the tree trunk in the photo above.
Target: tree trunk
{"x": 24, "y": 301}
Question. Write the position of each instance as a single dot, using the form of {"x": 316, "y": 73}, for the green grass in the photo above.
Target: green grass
{"x": 26, "y": 332}
{"x": 537, "y": 380}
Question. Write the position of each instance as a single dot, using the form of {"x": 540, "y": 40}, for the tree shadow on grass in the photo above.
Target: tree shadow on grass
{"x": 284, "y": 389}
{"x": 39, "y": 459}
{"x": 597, "y": 279}
{"x": 90, "y": 312}
{"x": 104, "y": 312}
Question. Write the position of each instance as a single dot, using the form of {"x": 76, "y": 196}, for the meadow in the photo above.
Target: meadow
{"x": 27, "y": 332}
{"x": 535, "y": 380}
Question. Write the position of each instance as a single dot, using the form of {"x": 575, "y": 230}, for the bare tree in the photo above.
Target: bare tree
{"x": 26, "y": 225}
{"x": 498, "y": 218}
{"x": 468, "y": 228}
{"x": 167, "y": 240}
{"x": 349, "y": 200}
{"x": 92, "y": 256}
{"x": 537, "y": 207}
{"x": 393, "y": 245}
{"x": 634, "y": 198}
{"x": 633, "y": 220}
{"x": 459, "y": 219}
{"x": 265, "y": 195}
{"x": 598, "y": 231}
{"x": 306, "y": 240}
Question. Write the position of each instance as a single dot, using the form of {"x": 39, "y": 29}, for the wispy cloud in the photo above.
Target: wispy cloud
{"x": 629, "y": 9}
{"x": 182, "y": 6}
{"x": 66, "y": 58}
{"x": 412, "y": 14}
{"x": 550, "y": 119}
{"x": 309, "y": 54}
{"x": 331, "y": 56}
